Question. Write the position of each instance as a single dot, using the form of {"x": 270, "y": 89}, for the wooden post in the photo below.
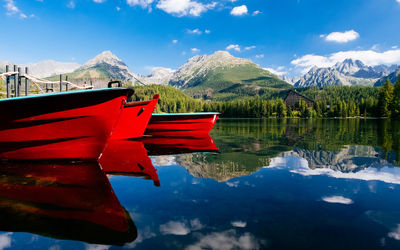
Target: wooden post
{"x": 7, "y": 82}
{"x": 60, "y": 82}
{"x": 15, "y": 81}
{"x": 19, "y": 82}
{"x": 26, "y": 82}
{"x": 66, "y": 84}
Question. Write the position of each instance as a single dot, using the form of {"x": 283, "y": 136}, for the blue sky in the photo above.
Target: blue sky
{"x": 288, "y": 36}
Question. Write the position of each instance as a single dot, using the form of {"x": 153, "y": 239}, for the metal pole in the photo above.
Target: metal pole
{"x": 8, "y": 82}
{"x": 60, "y": 83}
{"x": 15, "y": 81}
{"x": 26, "y": 82}
{"x": 66, "y": 84}
{"x": 19, "y": 82}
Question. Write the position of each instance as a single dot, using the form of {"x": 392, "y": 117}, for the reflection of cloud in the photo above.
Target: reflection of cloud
{"x": 181, "y": 227}
{"x": 225, "y": 240}
{"x": 300, "y": 166}
{"x": 5, "y": 240}
{"x": 239, "y": 223}
{"x": 196, "y": 224}
{"x": 163, "y": 160}
{"x": 97, "y": 247}
{"x": 233, "y": 184}
{"x": 337, "y": 199}
{"x": 396, "y": 233}
{"x": 143, "y": 234}
{"x": 174, "y": 227}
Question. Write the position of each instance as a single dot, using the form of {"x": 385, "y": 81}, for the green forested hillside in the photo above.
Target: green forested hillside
{"x": 240, "y": 81}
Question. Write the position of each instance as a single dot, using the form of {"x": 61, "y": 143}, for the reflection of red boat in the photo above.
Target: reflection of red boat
{"x": 67, "y": 125}
{"x": 63, "y": 201}
{"x": 122, "y": 157}
{"x": 134, "y": 119}
{"x": 179, "y": 145}
{"x": 181, "y": 124}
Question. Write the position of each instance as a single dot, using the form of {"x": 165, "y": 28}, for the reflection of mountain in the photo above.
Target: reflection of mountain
{"x": 63, "y": 201}
{"x": 206, "y": 166}
{"x": 352, "y": 162}
{"x": 351, "y": 158}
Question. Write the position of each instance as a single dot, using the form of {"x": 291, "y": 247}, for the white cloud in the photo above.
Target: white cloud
{"x": 256, "y": 12}
{"x": 279, "y": 71}
{"x": 225, "y": 240}
{"x": 195, "y": 50}
{"x": 337, "y": 199}
{"x": 239, "y": 10}
{"x": 99, "y": 1}
{"x": 195, "y": 32}
{"x": 207, "y": 31}
{"x": 249, "y": 47}
{"x": 118, "y": 8}
{"x": 12, "y": 9}
{"x": 184, "y": 7}
{"x": 5, "y": 240}
{"x": 239, "y": 223}
{"x": 341, "y": 37}
{"x": 259, "y": 56}
{"x": 234, "y": 47}
{"x": 71, "y": 4}
{"x": 175, "y": 228}
{"x": 396, "y": 233}
{"x": 398, "y": 1}
{"x": 175, "y": 41}
{"x": 142, "y": 3}
{"x": 369, "y": 57}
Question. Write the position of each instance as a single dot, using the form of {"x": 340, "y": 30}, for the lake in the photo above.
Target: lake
{"x": 253, "y": 184}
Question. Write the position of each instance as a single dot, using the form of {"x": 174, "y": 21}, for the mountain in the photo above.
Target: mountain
{"x": 349, "y": 72}
{"x": 104, "y": 65}
{"x": 223, "y": 76}
{"x": 160, "y": 76}
{"x": 44, "y": 68}
{"x": 392, "y": 77}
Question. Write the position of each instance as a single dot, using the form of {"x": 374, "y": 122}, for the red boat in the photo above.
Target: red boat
{"x": 179, "y": 145}
{"x": 181, "y": 124}
{"x": 65, "y": 125}
{"x": 134, "y": 119}
{"x": 124, "y": 157}
{"x": 64, "y": 201}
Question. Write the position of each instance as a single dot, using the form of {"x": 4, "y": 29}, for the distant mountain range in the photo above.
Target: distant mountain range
{"x": 219, "y": 76}
{"x": 44, "y": 68}
{"x": 347, "y": 73}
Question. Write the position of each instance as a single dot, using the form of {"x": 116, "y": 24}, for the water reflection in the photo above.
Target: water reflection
{"x": 64, "y": 201}
{"x": 252, "y": 184}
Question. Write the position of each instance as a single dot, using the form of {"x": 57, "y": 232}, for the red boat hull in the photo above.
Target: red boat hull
{"x": 71, "y": 125}
{"x": 179, "y": 145}
{"x": 124, "y": 157}
{"x": 134, "y": 119}
{"x": 181, "y": 124}
{"x": 66, "y": 201}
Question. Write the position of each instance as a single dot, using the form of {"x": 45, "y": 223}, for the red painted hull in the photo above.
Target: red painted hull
{"x": 71, "y": 125}
{"x": 179, "y": 145}
{"x": 65, "y": 201}
{"x": 124, "y": 157}
{"x": 134, "y": 119}
{"x": 181, "y": 124}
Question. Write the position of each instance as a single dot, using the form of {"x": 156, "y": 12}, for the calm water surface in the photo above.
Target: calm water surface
{"x": 257, "y": 184}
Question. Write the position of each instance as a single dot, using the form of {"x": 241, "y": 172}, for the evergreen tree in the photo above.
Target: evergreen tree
{"x": 396, "y": 99}
{"x": 385, "y": 99}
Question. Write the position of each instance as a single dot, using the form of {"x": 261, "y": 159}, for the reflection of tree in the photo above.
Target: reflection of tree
{"x": 248, "y": 144}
